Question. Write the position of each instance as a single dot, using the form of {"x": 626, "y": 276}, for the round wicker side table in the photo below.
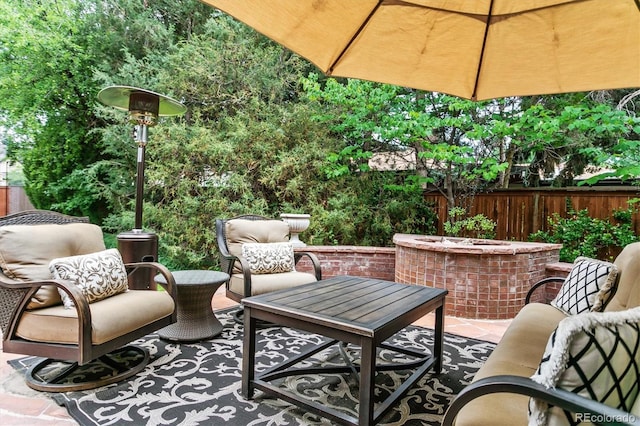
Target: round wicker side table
{"x": 196, "y": 320}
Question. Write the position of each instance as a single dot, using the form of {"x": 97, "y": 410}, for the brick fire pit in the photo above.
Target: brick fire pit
{"x": 486, "y": 279}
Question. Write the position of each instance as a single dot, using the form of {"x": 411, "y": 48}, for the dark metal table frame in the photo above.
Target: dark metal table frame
{"x": 196, "y": 320}
{"x": 362, "y": 311}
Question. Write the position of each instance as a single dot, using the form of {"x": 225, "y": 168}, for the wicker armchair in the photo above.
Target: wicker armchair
{"x": 34, "y": 321}
{"x": 232, "y": 233}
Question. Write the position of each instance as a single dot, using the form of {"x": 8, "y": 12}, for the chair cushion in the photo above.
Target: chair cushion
{"x": 518, "y": 353}
{"x": 109, "y": 318}
{"x": 27, "y": 250}
{"x": 261, "y": 284}
{"x": 269, "y": 258}
{"x": 99, "y": 275}
{"x": 635, "y": 410}
{"x": 627, "y": 294}
{"x": 242, "y": 231}
{"x": 588, "y": 287}
{"x": 596, "y": 355}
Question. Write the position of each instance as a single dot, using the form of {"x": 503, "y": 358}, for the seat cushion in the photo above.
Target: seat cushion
{"x": 261, "y": 284}
{"x": 26, "y": 250}
{"x": 109, "y": 318}
{"x": 518, "y": 353}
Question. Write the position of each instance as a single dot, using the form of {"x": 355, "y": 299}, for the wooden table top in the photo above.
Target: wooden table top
{"x": 354, "y": 304}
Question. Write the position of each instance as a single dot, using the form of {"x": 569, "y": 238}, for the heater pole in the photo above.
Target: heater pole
{"x": 141, "y": 138}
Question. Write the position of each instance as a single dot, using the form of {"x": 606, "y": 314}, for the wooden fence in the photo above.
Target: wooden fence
{"x": 523, "y": 211}
{"x": 517, "y": 212}
{"x": 13, "y": 199}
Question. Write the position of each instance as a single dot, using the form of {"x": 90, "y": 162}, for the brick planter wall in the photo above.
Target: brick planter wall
{"x": 558, "y": 269}
{"x": 482, "y": 286}
{"x": 361, "y": 261}
{"x": 484, "y": 281}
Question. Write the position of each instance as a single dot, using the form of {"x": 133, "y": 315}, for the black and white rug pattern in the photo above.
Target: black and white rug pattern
{"x": 199, "y": 383}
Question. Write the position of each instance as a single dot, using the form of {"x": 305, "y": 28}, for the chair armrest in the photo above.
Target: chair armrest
{"x": 525, "y": 386}
{"x": 539, "y": 284}
{"x": 246, "y": 273}
{"x": 79, "y": 300}
{"x": 230, "y": 262}
{"x": 314, "y": 260}
{"x": 170, "y": 286}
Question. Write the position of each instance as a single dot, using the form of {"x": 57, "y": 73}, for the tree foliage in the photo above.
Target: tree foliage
{"x": 459, "y": 147}
{"x": 262, "y": 134}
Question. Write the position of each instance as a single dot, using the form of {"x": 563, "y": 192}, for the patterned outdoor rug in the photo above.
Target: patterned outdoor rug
{"x": 199, "y": 383}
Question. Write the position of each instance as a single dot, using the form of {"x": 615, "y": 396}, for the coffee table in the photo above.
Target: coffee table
{"x": 361, "y": 311}
{"x": 195, "y": 317}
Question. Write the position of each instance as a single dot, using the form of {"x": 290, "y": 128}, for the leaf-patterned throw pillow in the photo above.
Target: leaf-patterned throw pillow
{"x": 99, "y": 275}
{"x": 269, "y": 258}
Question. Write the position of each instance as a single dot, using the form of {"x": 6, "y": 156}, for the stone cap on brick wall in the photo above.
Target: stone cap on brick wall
{"x": 558, "y": 269}
{"x": 470, "y": 246}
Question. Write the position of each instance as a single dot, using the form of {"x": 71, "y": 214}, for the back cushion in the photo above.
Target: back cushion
{"x": 241, "y": 231}
{"x": 27, "y": 250}
{"x": 627, "y": 294}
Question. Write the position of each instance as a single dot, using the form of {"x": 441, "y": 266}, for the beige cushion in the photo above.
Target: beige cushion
{"x": 59, "y": 325}
{"x": 242, "y": 231}
{"x": 635, "y": 410}
{"x": 269, "y": 258}
{"x": 596, "y": 355}
{"x": 627, "y": 293}
{"x": 99, "y": 275}
{"x": 588, "y": 287}
{"x": 261, "y": 284}
{"x": 518, "y": 353}
{"x": 26, "y": 250}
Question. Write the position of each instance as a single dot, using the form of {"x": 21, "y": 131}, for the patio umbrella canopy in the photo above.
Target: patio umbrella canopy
{"x": 474, "y": 49}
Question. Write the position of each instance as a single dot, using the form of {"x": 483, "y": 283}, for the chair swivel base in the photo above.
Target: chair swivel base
{"x": 52, "y": 375}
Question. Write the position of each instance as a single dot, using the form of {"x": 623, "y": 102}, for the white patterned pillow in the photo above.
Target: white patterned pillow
{"x": 269, "y": 258}
{"x": 596, "y": 355}
{"x": 99, "y": 275}
{"x": 588, "y": 287}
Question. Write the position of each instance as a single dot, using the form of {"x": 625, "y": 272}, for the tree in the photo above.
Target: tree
{"x": 248, "y": 145}
{"x": 459, "y": 147}
{"x": 54, "y": 57}
{"x": 443, "y": 134}
{"x": 46, "y": 88}
{"x": 570, "y": 133}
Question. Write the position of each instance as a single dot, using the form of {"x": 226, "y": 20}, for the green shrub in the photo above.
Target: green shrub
{"x": 478, "y": 226}
{"x": 583, "y": 235}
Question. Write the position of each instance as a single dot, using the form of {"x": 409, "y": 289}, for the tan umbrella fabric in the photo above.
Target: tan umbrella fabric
{"x": 475, "y": 49}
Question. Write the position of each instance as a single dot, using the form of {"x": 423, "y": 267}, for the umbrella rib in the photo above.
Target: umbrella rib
{"x": 484, "y": 43}
{"x": 354, "y": 37}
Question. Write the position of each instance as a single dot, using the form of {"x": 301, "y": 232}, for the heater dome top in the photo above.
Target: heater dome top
{"x": 140, "y": 101}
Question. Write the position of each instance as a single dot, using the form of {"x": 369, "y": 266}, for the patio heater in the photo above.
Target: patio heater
{"x": 144, "y": 108}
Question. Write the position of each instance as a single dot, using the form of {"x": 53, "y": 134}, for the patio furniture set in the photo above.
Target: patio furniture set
{"x": 64, "y": 296}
